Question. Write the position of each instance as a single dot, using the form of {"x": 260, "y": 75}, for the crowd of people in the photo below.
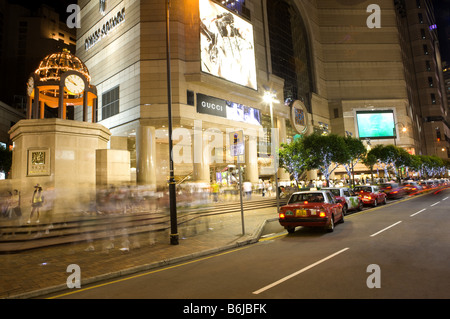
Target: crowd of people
{"x": 131, "y": 199}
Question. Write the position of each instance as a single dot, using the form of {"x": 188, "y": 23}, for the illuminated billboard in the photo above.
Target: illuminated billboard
{"x": 375, "y": 124}
{"x": 227, "y": 109}
{"x": 226, "y": 44}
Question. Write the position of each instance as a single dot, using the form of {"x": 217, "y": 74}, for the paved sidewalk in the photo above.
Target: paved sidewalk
{"x": 41, "y": 271}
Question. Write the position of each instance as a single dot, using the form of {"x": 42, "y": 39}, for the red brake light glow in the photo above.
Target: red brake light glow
{"x": 282, "y": 215}
{"x": 322, "y": 214}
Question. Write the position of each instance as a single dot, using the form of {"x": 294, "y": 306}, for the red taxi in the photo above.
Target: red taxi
{"x": 393, "y": 190}
{"x": 312, "y": 208}
{"x": 370, "y": 195}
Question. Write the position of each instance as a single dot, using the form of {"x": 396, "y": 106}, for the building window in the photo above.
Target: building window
{"x": 430, "y": 81}
{"x": 433, "y": 98}
{"x": 190, "y": 97}
{"x": 418, "y": 3}
{"x": 422, "y": 32}
{"x": 420, "y": 18}
{"x": 290, "y": 50}
{"x": 336, "y": 113}
{"x": 428, "y": 65}
{"x": 110, "y": 103}
{"x": 425, "y": 49}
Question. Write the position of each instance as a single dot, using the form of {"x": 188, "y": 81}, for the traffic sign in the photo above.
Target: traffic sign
{"x": 237, "y": 143}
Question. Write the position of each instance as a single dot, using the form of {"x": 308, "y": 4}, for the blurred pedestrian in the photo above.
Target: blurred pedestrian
{"x": 248, "y": 189}
{"x": 15, "y": 203}
{"x": 215, "y": 191}
{"x": 36, "y": 203}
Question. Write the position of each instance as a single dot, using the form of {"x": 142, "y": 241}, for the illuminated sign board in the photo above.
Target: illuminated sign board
{"x": 299, "y": 118}
{"x": 227, "y": 45}
{"x": 104, "y": 27}
{"x": 229, "y": 110}
{"x": 375, "y": 124}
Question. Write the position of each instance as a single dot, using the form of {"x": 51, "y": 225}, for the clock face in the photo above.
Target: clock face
{"x": 30, "y": 85}
{"x": 74, "y": 84}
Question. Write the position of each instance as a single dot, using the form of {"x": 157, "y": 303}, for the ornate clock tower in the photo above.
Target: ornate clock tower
{"x": 60, "y": 80}
{"x": 61, "y": 155}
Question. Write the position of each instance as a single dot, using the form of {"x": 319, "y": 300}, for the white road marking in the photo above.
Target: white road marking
{"x": 435, "y": 203}
{"x": 418, "y": 212}
{"x": 445, "y": 198}
{"x": 385, "y": 229}
{"x": 298, "y": 272}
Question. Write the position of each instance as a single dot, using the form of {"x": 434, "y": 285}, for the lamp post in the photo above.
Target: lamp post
{"x": 270, "y": 97}
{"x": 172, "y": 194}
{"x": 395, "y": 131}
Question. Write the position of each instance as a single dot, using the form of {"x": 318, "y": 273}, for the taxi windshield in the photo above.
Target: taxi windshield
{"x": 306, "y": 197}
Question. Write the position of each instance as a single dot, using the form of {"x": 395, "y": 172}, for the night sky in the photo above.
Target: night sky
{"x": 442, "y": 13}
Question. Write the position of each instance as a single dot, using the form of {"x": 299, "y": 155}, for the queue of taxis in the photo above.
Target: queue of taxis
{"x": 328, "y": 206}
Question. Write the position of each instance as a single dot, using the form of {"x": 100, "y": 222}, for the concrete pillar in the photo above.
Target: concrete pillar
{"x": 201, "y": 156}
{"x": 251, "y": 159}
{"x": 146, "y": 155}
{"x": 41, "y": 109}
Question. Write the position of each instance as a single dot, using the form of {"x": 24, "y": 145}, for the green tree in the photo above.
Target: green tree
{"x": 386, "y": 156}
{"x": 325, "y": 152}
{"x": 402, "y": 161}
{"x": 356, "y": 151}
{"x": 416, "y": 164}
{"x": 292, "y": 158}
{"x": 370, "y": 160}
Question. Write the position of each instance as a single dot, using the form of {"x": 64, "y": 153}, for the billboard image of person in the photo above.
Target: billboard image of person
{"x": 227, "y": 46}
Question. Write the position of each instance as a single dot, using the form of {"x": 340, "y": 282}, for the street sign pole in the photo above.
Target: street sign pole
{"x": 240, "y": 195}
{"x": 237, "y": 149}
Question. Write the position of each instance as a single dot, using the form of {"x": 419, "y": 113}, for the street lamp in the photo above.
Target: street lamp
{"x": 395, "y": 131}
{"x": 172, "y": 190}
{"x": 270, "y": 98}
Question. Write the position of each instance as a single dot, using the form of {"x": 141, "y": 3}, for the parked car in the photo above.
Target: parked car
{"x": 370, "y": 195}
{"x": 351, "y": 200}
{"x": 393, "y": 190}
{"x": 311, "y": 208}
{"x": 412, "y": 187}
{"x": 424, "y": 185}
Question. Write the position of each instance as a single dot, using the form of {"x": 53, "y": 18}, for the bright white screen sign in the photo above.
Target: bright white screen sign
{"x": 226, "y": 44}
{"x": 375, "y": 124}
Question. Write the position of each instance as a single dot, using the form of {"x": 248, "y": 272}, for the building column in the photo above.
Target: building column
{"x": 41, "y": 109}
{"x": 251, "y": 159}
{"x": 85, "y": 106}
{"x": 61, "y": 104}
{"x": 29, "y": 107}
{"x": 201, "y": 157}
{"x": 35, "y": 113}
{"x": 146, "y": 155}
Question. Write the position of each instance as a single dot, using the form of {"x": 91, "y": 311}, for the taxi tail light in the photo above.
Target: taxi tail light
{"x": 322, "y": 214}
{"x": 282, "y": 215}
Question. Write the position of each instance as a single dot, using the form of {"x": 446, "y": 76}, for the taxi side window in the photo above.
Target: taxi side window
{"x": 346, "y": 193}
{"x": 330, "y": 198}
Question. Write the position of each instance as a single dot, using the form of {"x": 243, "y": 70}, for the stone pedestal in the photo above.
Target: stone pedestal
{"x": 60, "y": 155}
{"x": 113, "y": 167}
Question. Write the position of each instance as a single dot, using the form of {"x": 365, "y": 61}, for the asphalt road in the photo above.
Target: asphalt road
{"x": 397, "y": 251}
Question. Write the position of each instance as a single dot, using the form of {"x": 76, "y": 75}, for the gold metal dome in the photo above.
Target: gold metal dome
{"x": 55, "y": 64}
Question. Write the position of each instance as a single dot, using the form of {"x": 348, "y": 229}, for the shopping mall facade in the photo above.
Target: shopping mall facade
{"x": 328, "y": 67}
